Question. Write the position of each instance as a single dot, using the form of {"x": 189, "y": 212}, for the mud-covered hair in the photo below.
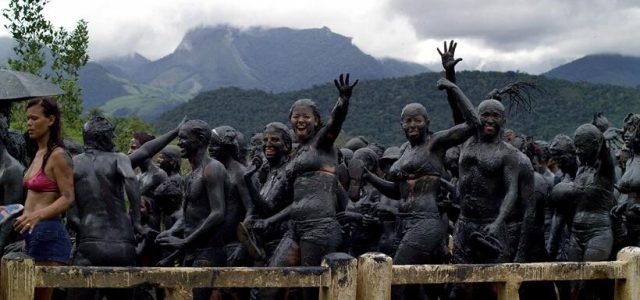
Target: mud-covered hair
{"x": 227, "y": 137}
{"x": 520, "y": 94}
{"x": 98, "y": 134}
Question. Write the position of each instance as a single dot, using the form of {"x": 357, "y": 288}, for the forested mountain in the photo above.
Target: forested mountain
{"x": 278, "y": 59}
{"x": 603, "y": 68}
{"x": 375, "y": 108}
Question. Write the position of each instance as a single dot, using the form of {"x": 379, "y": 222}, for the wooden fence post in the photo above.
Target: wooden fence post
{"x": 344, "y": 269}
{"x": 17, "y": 280}
{"x": 178, "y": 294}
{"x": 629, "y": 288}
{"x": 509, "y": 290}
{"x": 375, "y": 271}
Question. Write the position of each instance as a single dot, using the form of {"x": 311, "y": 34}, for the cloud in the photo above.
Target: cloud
{"x": 528, "y": 35}
{"x": 531, "y": 36}
{"x": 155, "y": 28}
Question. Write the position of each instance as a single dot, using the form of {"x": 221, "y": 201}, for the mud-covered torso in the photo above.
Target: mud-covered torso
{"x": 196, "y": 203}
{"x": 235, "y": 210}
{"x": 418, "y": 171}
{"x": 276, "y": 189}
{"x": 150, "y": 180}
{"x": 314, "y": 181}
{"x": 629, "y": 184}
{"x": 481, "y": 182}
{"x": 99, "y": 198}
{"x": 630, "y": 180}
{"x": 593, "y": 199}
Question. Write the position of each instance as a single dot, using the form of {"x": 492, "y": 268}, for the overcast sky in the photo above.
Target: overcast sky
{"x": 530, "y": 36}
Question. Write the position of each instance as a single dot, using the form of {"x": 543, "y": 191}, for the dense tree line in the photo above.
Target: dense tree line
{"x": 559, "y": 106}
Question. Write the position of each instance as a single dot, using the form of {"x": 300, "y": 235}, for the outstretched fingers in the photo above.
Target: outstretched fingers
{"x": 355, "y": 83}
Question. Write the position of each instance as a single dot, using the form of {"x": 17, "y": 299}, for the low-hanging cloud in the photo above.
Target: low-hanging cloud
{"x": 529, "y": 35}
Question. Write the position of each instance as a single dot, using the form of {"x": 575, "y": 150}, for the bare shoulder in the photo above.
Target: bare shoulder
{"x": 512, "y": 154}
{"x": 215, "y": 169}
{"x": 60, "y": 157}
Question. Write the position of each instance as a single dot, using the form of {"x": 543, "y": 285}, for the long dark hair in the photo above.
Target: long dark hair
{"x": 50, "y": 108}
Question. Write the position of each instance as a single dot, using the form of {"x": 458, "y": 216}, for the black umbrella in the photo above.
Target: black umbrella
{"x": 15, "y": 85}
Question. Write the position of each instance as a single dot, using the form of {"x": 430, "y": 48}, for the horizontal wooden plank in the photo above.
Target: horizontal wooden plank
{"x": 423, "y": 274}
{"x": 122, "y": 277}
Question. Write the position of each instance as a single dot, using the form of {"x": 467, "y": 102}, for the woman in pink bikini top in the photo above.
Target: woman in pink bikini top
{"x": 49, "y": 184}
{"x": 41, "y": 183}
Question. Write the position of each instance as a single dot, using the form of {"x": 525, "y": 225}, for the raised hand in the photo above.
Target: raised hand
{"x": 342, "y": 84}
{"x": 448, "y": 59}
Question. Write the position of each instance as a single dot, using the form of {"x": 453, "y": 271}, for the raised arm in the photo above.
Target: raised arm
{"x": 449, "y": 63}
{"x": 607, "y": 168}
{"x": 154, "y": 146}
{"x": 443, "y": 140}
{"x": 328, "y": 134}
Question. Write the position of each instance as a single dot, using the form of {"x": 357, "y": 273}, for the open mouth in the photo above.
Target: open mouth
{"x": 489, "y": 128}
{"x": 269, "y": 151}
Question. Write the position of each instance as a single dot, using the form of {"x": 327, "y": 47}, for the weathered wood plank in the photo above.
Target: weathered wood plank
{"x": 122, "y": 277}
{"x": 422, "y": 274}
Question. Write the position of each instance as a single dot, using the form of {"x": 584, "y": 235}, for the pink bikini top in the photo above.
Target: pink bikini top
{"x": 41, "y": 183}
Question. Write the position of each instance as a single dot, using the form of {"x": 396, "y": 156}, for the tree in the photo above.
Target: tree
{"x": 35, "y": 38}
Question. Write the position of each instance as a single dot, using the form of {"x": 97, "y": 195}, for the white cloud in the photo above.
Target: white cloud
{"x": 531, "y": 36}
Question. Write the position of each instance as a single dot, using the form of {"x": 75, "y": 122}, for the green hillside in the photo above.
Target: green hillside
{"x": 376, "y": 105}
{"x": 142, "y": 100}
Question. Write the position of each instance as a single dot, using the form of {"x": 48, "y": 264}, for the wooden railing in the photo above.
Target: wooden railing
{"x": 340, "y": 277}
{"x": 336, "y": 278}
{"x": 378, "y": 274}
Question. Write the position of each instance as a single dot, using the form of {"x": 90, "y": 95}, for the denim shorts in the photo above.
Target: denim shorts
{"x": 49, "y": 241}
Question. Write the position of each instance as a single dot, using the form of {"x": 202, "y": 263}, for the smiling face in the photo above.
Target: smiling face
{"x": 413, "y": 126}
{"x": 273, "y": 145}
{"x": 304, "y": 122}
{"x": 414, "y": 122}
{"x": 491, "y": 118}
{"x": 37, "y": 122}
{"x": 193, "y": 135}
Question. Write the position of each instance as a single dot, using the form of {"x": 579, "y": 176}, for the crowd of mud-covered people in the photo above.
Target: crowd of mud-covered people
{"x": 474, "y": 193}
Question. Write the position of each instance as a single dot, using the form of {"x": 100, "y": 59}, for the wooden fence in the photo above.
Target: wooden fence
{"x": 340, "y": 277}
{"x": 336, "y": 278}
